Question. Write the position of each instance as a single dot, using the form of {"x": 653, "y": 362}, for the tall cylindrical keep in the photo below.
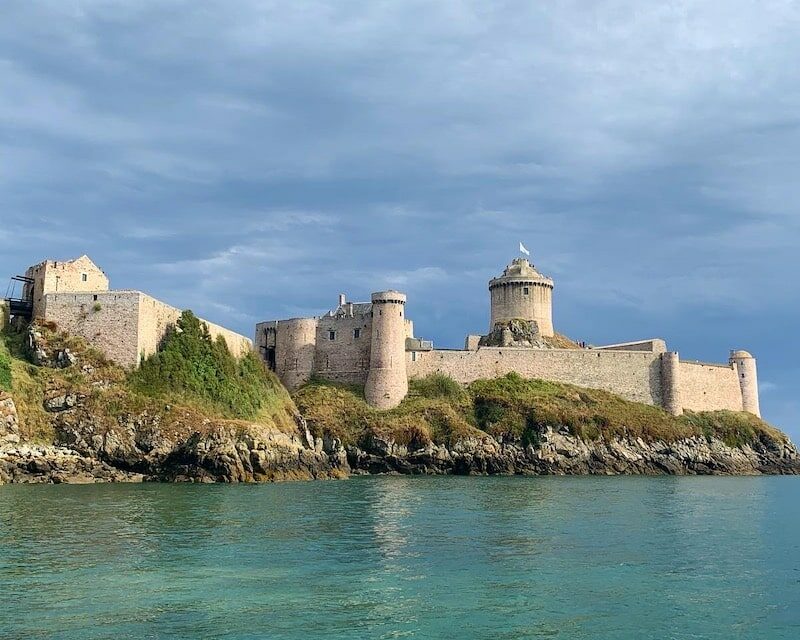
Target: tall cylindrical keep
{"x": 745, "y": 365}
{"x": 671, "y": 383}
{"x": 387, "y": 382}
{"x": 522, "y": 293}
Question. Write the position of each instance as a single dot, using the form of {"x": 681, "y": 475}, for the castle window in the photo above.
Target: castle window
{"x": 356, "y": 333}
{"x": 526, "y": 291}
{"x": 413, "y": 356}
{"x": 84, "y": 277}
{"x": 331, "y": 335}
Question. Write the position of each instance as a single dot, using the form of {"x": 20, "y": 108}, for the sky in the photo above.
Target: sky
{"x": 250, "y": 160}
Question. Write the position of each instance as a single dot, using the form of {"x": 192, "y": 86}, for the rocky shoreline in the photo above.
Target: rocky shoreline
{"x": 91, "y": 442}
{"x": 251, "y": 455}
{"x": 559, "y": 453}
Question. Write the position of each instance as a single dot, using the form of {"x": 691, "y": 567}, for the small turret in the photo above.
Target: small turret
{"x": 522, "y": 293}
{"x": 671, "y": 382}
{"x": 748, "y": 380}
{"x": 387, "y": 383}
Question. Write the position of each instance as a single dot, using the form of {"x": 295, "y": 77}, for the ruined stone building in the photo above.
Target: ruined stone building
{"x": 126, "y": 325}
{"x": 373, "y": 344}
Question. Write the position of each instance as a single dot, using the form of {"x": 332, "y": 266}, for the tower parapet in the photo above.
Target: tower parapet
{"x": 748, "y": 380}
{"x": 522, "y": 293}
{"x": 387, "y": 381}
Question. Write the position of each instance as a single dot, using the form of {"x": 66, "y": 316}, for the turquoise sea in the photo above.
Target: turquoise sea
{"x": 404, "y": 557}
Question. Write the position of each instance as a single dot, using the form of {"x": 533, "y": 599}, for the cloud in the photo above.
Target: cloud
{"x": 254, "y": 162}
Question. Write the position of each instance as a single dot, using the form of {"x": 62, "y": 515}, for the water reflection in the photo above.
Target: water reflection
{"x": 404, "y": 557}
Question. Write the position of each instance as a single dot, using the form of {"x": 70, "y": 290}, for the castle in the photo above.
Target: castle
{"x": 373, "y": 344}
{"x": 126, "y": 325}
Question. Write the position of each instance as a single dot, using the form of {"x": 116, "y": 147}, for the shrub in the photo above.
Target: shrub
{"x": 190, "y": 364}
{"x": 437, "y": 385}
{"x": 5, "y": 371}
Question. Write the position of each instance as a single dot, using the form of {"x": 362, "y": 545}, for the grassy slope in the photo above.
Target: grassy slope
{"x": 111, "y": 392}
{"x": 438, "y": 409}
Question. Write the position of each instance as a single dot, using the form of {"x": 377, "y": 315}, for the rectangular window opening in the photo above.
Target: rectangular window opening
{"x": 331, "y": 335}
{"x": 526, "y": 291}
{"x": 84, "y": 277}
{"x": 356, "y": 333}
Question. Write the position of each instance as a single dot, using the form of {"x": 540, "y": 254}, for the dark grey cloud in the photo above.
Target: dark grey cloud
{"x": 252, "y": 159}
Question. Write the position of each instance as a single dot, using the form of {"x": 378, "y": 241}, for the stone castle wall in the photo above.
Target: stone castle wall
{"x": 124, "y": 325}
{"x": 155, "y": 317}
{"x": 345, "y": 358}
{"x": 633, "y": 375}
{"x": 51, "y": 276}
{"x": 709, "y": 387}
{"x": 108, "y": 320}
{"x": 656, "y": 345}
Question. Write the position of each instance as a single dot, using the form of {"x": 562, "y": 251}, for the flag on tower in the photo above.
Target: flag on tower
{"x": 523, "y": 249}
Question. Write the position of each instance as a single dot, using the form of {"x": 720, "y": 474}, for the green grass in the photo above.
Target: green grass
{"x": 6, "y": 379}
{"x": 440, "y": 410}
{"x": 433, "y": 411}
{"x": 27, "y": 385}
{"x": 734, "y": 428}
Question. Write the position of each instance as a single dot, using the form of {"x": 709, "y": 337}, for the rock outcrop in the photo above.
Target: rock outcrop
{"x": 559, "y": 453}
{"x": 9, "y": 421}
{"x": 36, "y": 464}
{"x": 192, "y": 449}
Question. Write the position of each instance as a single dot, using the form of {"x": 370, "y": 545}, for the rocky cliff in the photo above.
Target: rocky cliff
{"x": 72, "y": 417}
{"x": 559, "y": 453}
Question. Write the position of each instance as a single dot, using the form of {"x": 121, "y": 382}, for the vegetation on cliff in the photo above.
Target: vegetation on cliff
{"x": 5, "y": 368}
{"x": 191, "y": 382}
{"x": 191, "y": 366}
{"x": 440, "y": 410}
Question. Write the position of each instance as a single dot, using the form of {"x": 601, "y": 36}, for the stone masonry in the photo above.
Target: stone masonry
{"x": 125, "y": 325}
{"x": 348, "y": 344}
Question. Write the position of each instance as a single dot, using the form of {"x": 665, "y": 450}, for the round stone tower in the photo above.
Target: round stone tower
{"x": 522, "y": 293}
{"x": 671, "y": 383}
{"x": 748, "y": 380}
{"x": 387, "y": 382}
{"x": 296, "y": 341}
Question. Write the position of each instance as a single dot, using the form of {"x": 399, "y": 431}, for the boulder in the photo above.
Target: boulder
{"x": 9, "y": 420}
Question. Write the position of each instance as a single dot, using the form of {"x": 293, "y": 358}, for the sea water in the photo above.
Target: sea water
{"x": 404, "y": 557}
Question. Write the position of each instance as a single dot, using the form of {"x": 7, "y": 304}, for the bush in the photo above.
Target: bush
{"x": 5, "y": 372}
{"x": 191, "y": 365}
{"x": 437, "y": 385}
